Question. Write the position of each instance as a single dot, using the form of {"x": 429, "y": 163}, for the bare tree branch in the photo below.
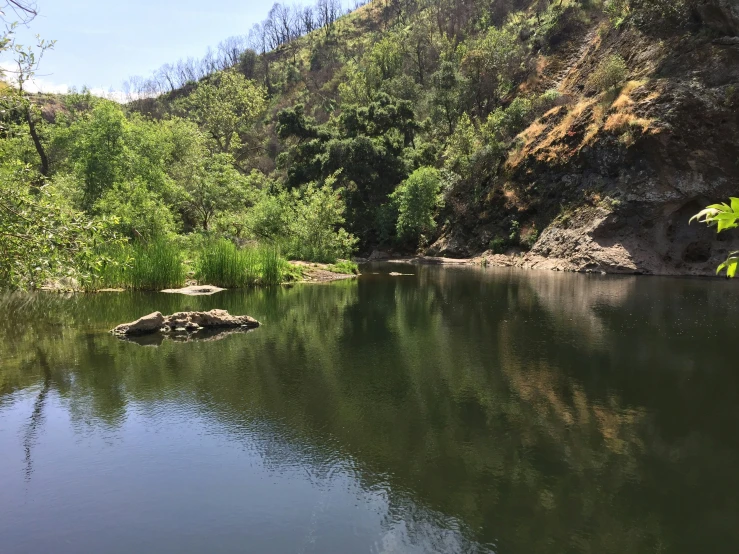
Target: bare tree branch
{"x": 25, "y": 10}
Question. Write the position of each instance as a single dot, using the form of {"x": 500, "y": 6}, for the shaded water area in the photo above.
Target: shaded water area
{"x": 452, "y": 410}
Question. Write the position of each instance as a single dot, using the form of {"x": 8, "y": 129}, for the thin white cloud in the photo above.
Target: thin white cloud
{"x": 42, "y": 85}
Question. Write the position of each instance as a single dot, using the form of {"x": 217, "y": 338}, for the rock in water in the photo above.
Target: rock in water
{"x": 147, "y": 324}
{"x": 185, "y": 322}
{"x": 213, "y": 318}
{"x": 195, "y": 290}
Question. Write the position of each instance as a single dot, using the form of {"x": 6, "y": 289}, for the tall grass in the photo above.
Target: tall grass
{"x": 223, "y": 264}
{"x": 157, "y": 265}
{"x": 142, "y": 266}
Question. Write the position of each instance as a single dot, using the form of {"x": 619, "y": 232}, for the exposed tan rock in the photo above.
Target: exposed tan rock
{"x": 147, "y": 324}
{"x": 213, "y": 318}
{"x": 186, "y": 322}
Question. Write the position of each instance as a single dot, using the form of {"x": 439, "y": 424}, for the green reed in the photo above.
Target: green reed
{"x": 223, "y": 264}
{"x": 142, "y": 266}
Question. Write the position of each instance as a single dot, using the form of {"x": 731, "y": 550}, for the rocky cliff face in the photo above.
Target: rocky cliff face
{"x": 612, "y": 180}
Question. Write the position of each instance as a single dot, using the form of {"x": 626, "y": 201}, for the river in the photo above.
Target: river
{"x": 448, "y": 410}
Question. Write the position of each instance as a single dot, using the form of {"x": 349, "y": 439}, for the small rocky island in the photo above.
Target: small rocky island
{"x": 185, "y": 322}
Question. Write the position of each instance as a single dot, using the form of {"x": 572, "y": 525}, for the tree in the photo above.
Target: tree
{"x": 215, "y": 188}
{"x": 445, "y": 102}
{"x": 417, "y": 199}
{"x": 315, "y": 231}
{"x": 491, "y": 63}
{"x": 226, "y": 107}
{"x": 26, "y": 61}
{"x": 40, "y": 237}
{"x": 97, "y": 149}
{"x": 24, "y": 10}
{"x": 724, "y": 217}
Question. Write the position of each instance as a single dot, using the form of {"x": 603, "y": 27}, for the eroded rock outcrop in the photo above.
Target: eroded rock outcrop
{"x": 185, "y": 322}
{"x": 609, "y": 181}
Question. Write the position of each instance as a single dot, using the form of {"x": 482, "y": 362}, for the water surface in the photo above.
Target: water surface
{"x": 452, "y": 410}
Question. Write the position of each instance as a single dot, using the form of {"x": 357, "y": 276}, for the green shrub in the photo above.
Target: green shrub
{"x": 140, "y": 212}
{"x": 529, "y": 240}
{"x": 649, "y": 13}
{"x": 498, "y": 245}
{"x": 547, "y": 100}
{"x": 609, "y": 74}
{"x": 313, "y": 225}
{"x": 417, "y": 199}
{"x": 344, "y": 266}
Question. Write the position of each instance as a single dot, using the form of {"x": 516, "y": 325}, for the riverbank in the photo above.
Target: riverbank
{"x": 530, "y": 260}
{"x": 313, "y": 272}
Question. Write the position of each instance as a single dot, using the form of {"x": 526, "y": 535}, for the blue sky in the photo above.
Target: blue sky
{"x": 100, "y": 43}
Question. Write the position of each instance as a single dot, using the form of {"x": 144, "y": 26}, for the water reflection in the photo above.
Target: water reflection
{"x": 455, "y": 410}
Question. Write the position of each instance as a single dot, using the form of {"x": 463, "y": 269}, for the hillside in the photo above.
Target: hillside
{"x": 601, "y": 180}
{"x": 564, "y": 134}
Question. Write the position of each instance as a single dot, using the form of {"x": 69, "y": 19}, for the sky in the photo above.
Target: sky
{"x": 101, "y": 43}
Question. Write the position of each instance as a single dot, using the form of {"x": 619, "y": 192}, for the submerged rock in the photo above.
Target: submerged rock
{"x": 185, "y": 322}
{"x": 195, "y": 290}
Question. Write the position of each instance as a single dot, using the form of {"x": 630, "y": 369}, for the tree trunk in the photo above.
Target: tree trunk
{"x": 37, "y": 143}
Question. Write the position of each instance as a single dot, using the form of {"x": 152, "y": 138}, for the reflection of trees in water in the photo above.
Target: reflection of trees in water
{"x": 543, "y": 410}
{"x": 37, "y": 415}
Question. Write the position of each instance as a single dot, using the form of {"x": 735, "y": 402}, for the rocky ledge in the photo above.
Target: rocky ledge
{"x": 185, "y": 322}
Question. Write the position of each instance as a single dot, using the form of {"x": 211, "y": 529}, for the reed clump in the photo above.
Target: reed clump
{"x": 141, "y": 266}
{"x": 223, "y": 264}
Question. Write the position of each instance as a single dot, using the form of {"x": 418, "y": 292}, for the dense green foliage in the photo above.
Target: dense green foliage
{"x": 417, "y": 199}
{"x": 323, "y": 135}
{"x": 41, "y": 237}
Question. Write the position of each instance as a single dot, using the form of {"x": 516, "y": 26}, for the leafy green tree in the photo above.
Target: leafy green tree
{"x": 26, "y": 61}
{"x": 216, "y": 188}
{"x": 463, "y": 143}
{"x": 417, "y": 199}
{"x": 97, "y": 154}
{"x": 362, "y": 80}
{"x": 315, "y": 224}
{"x": 491, "y": 63}
{"x": 366, "y": 148}
{"x": 269, "y": 217}
{"x": 226, "y": 106}
{"x": 446, "y": 97}
{"x": 140, "y": 213}
{"x": 40, "y": 237}
{"x": 724, "y": 217}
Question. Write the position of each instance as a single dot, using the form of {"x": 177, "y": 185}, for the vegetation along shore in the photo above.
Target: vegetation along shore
{"x": 565, "y": 134}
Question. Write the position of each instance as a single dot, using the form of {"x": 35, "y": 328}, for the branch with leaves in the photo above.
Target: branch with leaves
{"x": 724, "y": 217}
